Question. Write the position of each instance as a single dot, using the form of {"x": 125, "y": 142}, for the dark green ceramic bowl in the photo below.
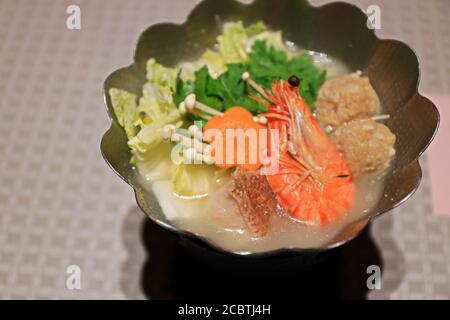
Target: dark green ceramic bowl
{"x": 338, "y": 29}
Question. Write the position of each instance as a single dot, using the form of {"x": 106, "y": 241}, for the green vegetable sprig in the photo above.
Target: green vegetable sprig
{"x": 233, "y": 91}
{"x": 265, "y": 64}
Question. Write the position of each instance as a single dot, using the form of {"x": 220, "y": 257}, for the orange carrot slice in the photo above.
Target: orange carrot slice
{"x": 239, "y": 142}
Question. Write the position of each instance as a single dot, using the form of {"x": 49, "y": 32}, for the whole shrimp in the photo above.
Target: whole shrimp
{"x": 313, "y": 183}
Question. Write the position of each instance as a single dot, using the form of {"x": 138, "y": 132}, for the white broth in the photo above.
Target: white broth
{"x": 216, "y": 218}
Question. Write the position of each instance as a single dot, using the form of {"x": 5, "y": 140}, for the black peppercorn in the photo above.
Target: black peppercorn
{"x": 294, "y": 81}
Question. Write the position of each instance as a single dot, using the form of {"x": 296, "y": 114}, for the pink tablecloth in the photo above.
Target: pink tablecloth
{"x": 439, "y": 158}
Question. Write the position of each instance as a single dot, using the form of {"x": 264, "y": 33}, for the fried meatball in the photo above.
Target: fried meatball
{"x": 367, "y": 146}
{"x": 346, "y": 98}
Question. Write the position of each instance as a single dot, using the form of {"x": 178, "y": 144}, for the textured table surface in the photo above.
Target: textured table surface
{"x": 60, "y": 204}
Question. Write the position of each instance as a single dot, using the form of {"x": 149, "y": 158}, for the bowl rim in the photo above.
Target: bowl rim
{"x": 284, "y": 250}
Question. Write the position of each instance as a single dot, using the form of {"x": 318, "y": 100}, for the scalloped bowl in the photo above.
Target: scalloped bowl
{"x": 338, "y": 29}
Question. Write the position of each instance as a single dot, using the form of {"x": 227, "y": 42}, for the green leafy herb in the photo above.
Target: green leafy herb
{"x": 227, "y": 91}
{"x": 182, "y": 89}
{"x": 267, "y": 64}
{"x": 202, "y": 79}
{"x": 232, "y": 91}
